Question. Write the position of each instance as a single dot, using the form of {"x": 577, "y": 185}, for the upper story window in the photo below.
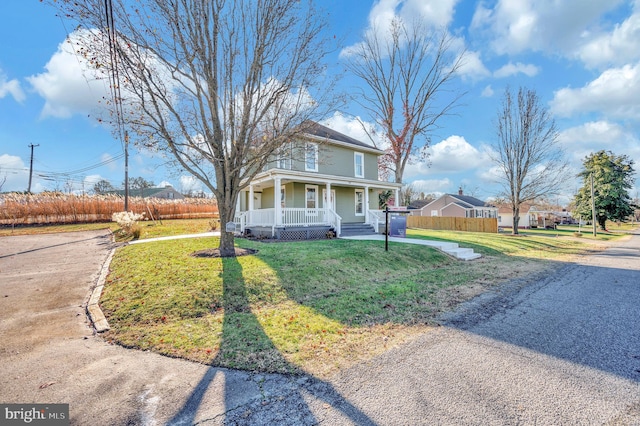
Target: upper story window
{"x": 283, "y": 157}
{"x": 311, "y": 157}
{"x": 358, "y": 162}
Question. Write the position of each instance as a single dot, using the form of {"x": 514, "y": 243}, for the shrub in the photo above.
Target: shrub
{"x": 127, "y": 221}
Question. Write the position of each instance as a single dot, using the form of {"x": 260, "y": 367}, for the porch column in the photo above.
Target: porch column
{"x": 250, "y": 198}
{"x": 277, "y": 203}
{"x": 328, "y": 204}
{"x": 397, "y": 201}
{"x": 366, "y": 204}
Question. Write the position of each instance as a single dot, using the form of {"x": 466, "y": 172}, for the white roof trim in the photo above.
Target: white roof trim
{"x": 312, "y": 177}
{"x": 351, "y": 146}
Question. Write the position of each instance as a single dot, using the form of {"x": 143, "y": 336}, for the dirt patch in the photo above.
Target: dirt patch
{"x": 216, "y": 252}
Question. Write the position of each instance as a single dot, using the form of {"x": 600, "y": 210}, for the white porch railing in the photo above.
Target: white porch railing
{"x": 290, "y": 217}
{"x": 374, "y": 218}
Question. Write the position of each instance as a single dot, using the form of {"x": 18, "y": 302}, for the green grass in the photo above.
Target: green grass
{"x": 313, "y": 306}
{"x": 532, "y": 245}
{"x": 150, "y": 229}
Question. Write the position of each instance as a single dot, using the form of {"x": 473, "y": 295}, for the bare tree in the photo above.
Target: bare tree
{"x": 217, "y": 84}
{"x": 407, "y": 74}
{"x": 527, "y": 152}
{"x": 103, "y": 186}
{"x": 408, "y": 194}
{"x": 3, "y": 180}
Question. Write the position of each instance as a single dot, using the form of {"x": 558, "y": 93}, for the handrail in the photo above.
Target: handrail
{"x": 373, "y": 218}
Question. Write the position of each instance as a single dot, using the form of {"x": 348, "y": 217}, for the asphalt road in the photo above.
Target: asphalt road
{"x": 561, "y": 350}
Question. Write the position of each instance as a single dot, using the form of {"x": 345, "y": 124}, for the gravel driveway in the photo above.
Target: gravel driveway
{"x": 561, "y": 350}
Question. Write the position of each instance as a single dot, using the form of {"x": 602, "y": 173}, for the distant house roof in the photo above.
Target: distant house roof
{"x": 466, "y": 202}
{"x": 158, "y": 192}
{"x": 323, "y": 132}
{"x": 418, "y": 204}
{"x": 469, "y": 201}
{"x": 506, "y": 208}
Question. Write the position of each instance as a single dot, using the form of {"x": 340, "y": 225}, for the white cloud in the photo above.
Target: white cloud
{"x": 16, "y": 173}
{"x": 453, "y": 155}
{"x": 69, "y": 85}
{"x": 487, "y": 92}
{"x": 514, "y": 26}
{"x": 491, "y": 173}
{"x": 352, "y": 126}
{"x": 616, "y": 47}
{"x": 433, "y": 186}
{"x": 11, "y": 87}
{"x": 580, "y": 141}
{"x": 614, "y": 93}
{"x": 510, "y": 69}
{"x": 436, "y": 13}
{"x": 189, "y": 184}
{"x": 472, "y": 67}
{"x": 430, "y": 13}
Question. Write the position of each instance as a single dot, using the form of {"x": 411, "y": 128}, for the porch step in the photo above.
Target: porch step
{"x": 462, "y": 253}
{"x": 356, "y": 229}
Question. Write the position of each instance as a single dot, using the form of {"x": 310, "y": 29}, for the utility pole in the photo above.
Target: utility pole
{"x": 593, "y": 207}
{"x": 31, "y": 166}
{"x": 126, "y": 171}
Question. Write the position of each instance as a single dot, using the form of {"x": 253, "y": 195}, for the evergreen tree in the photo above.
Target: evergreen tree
{"x": 612, "y": 179}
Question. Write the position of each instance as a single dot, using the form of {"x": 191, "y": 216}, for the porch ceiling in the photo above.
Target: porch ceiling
{"x": 267, "y": 180}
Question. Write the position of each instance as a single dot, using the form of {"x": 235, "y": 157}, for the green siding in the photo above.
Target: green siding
{"x": 333, "y": 160}
{"x": 267, "y": 198}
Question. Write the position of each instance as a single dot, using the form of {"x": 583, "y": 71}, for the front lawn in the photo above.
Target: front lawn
{"x": 314, "y": 306}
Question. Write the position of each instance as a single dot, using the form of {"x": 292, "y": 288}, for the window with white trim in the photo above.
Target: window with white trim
{"x": 311, "y": 157}
{"x": 311, "y": 196}
{"x": 283, "y": 157}
{"x": 358, "y": 164}
{"x": 283, "y": 196}
{"x": 359, "y": 202}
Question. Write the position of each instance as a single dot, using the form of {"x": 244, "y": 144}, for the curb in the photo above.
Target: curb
{"x": 96, "y": 316}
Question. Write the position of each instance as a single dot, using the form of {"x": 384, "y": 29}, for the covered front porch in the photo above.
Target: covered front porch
{"x": 308, "y": 206}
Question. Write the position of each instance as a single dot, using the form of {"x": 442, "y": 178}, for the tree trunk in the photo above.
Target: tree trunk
{"x": 227, "y": 239}
{"x": 516, "y": 220}
{"x": 602, "y": 221}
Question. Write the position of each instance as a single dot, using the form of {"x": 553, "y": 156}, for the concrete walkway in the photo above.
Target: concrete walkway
{"x": 452, "y": 249}
{"x": 177, "y": 237}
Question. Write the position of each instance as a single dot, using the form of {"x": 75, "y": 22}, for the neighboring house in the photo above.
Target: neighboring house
{"x": 166, "y": 192}
{"x": 324, "y": 181}
{"x": 460, "y": 205}
{"x": 505, "y": 216}
{"x": 544, "y": 217}
{"x": 532, "y": 216}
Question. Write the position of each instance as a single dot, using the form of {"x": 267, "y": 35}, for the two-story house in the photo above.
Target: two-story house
{"x": 315, "y": 185}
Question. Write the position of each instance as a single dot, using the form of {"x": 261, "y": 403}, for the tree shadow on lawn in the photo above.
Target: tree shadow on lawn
{"x": 244, "y": 340}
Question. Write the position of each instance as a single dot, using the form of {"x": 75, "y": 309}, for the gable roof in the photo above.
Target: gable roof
{"x": 470, "y": 201}
{"x": 463, "y": 201}
{"x": 317, "y": 130}
{"x": 418, "y": 204}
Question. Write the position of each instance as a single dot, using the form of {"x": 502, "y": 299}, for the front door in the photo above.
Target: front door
{"x": 326, "y": 202}
{"x": 257, "y": 200}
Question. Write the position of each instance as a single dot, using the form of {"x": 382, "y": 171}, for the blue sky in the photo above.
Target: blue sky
{"x": 582, "y": 58}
